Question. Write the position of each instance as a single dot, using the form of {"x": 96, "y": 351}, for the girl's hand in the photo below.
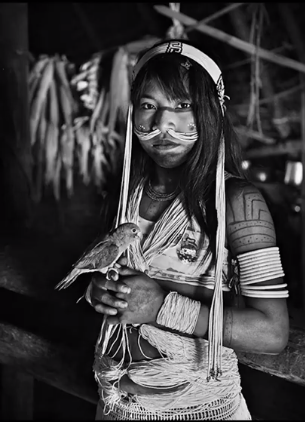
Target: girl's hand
{"x": 102, "y": 293}
{"x": 141, "y": 305}
{"x": 144, "y": 300}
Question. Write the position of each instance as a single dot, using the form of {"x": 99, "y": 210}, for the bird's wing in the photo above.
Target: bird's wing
{"x": 69, "y": 279}
{"x": 89, "y": 251}
{"x": 100, "y": 257}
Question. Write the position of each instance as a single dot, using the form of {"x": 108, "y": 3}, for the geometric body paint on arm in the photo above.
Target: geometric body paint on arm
{"x": 249, "y": 222}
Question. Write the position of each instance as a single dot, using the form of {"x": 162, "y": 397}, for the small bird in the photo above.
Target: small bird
{"x": 104, "y": 254}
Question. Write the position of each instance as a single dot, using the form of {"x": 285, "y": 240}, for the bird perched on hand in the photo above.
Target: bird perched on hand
{"x": 104, "y": 254}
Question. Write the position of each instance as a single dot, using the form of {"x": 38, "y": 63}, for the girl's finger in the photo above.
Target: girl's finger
{"x": 106, "y": 310}
{"x": 100, "y": 282}
{"x": 125, "y": 271}
{"x": 122, "y": 261}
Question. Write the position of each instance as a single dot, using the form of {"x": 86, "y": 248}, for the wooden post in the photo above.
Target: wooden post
{"x": 15, "y": 150}
{"x": 16, "y": 397}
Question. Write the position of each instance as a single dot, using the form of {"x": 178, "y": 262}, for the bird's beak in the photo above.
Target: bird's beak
{"x": 140, "y": 235}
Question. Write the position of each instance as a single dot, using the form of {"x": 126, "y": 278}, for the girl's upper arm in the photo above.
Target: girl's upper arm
{"x": 249, "y": 222}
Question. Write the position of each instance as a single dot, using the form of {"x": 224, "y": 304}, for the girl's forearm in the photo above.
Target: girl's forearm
{"x": 246, "y": 329}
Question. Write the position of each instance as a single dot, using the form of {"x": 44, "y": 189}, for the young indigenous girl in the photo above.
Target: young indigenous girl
{"x": 208, "y": 238}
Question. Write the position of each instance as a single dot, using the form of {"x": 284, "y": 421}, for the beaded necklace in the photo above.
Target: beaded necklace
{"x": 160, "y": 197}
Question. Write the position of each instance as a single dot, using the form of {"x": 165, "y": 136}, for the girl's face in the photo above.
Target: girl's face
{"x": 156, "y": 111}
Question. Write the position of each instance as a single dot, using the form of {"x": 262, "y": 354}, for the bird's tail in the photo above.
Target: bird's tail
{"x": 69, "y": 279}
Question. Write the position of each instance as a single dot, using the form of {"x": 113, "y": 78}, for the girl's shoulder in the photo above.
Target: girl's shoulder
{"x": 238, "y": 188}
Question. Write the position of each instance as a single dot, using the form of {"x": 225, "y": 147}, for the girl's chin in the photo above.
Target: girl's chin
{"x": 168, "y": 163}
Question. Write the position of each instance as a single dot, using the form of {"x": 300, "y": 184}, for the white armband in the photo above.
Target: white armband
{"x": 258, "y": 266}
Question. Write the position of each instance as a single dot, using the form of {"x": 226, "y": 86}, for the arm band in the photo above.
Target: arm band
{"x": 258, "y": 266}
{"x": 179, "y": 313}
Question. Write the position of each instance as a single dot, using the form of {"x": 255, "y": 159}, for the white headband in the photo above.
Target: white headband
{"x": 178, "y": 47}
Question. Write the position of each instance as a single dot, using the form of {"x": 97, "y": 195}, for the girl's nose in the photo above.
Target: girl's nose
{"x": 165, "y": 119}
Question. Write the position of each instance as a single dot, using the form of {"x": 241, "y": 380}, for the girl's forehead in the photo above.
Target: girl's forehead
{"x": 151, "y": 86}
{"x": 156, "y": 88}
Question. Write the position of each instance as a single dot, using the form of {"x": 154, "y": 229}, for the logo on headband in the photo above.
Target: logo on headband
{"x": 174, "y": 47}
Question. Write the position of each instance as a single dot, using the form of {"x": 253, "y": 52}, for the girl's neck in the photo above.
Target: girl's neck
{"x": 166, "y": 179}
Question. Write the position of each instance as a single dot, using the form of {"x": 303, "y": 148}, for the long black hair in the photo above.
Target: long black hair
{"x": 199, "y": 171}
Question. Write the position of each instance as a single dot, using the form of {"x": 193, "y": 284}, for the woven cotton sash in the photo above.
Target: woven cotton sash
{"x": 184, "y": 364}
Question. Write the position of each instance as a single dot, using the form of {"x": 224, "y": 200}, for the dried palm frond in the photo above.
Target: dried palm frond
{"x": 35, "y": 77}
{"x": 52, "y": 139}
{"x": 36, "y": 71}
{"x": 61, "y": 74}
{"x": 57, "y": 177}
{"x": 51, "y": 150}
{"x": 83, "y": 149}
{"x": 99, "y": 177}
{"x": 41, "y": 134}
{"x": 90, "y": 142}
{"x": 67, "y": 145}
{"x": 65, "y": 105}
{"x": 97, "y": 111}
{"x": 87, "y": 81}
{"x": 42, "y": 90}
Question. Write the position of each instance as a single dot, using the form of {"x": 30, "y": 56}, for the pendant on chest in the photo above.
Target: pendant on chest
{"x": 187, "y": 251}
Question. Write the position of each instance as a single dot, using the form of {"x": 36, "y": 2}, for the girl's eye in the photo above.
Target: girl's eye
{"x": 184, "y": 105}
{"x": 147, "y": 106}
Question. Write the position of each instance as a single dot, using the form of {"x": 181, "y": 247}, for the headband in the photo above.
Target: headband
{"x": 178, "y": 47}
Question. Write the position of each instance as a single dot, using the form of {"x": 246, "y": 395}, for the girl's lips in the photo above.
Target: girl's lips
{"x": 165, "y": 146}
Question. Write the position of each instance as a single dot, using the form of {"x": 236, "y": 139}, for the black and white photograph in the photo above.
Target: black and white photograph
{"x": 152, "y": 211}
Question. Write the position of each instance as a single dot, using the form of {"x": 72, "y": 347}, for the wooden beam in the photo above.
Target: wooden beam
{"x": 216, "y": 15}
{"x": 64, "y": 367}
{"x": 232, "y": 41}
{"x": 59, "y": 365}
{"x": 134, "y": 47}
{"x": 282, "y": 94}
{"x": 290, "y": 364}
{"x": 248, "y": 59}
{"x": 53, "y": 343}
